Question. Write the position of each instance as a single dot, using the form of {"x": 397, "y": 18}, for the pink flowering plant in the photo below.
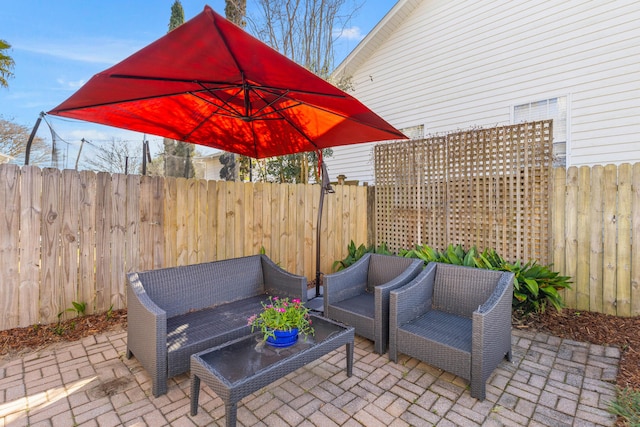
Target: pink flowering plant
{"x": 282, "y": 314}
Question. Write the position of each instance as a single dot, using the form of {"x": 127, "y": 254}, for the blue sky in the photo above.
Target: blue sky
{"x": 58, "y": 45}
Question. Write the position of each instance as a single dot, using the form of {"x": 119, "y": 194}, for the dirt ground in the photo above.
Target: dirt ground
{"x": 595, "y": 328}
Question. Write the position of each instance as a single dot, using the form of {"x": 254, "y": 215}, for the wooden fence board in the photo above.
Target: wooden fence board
{"x": 257, "y": 197}
{"x": 9, "y": 238}
{"x": 202, "y": 220}
{"x": 635, "y": 237}
{"x": 267, "y": 223}
{"x": 299, "y": 226}
{"x": 87, "y": 247}
{"x": 571, "y": 233}
{"x": 210, "y": 231}
{"x": 145, "y": 243}
{"x": 274, "y": 198}
{"x": 583, "y": 236}
{"x": 191, "y": 223}
{"x": 313, "y": 196}
{"x": 609, "y": 293}
{"x": 117, "y": 239}
{"x": 158, "y": 222}
{"x": 182, "y": 215}
{"x": 49, "y": 305}
{"x": 249, "y": 220}
{"x": 238, "y": 208}
{"x": 30, "y": 223}
{"x": 338, "y": 208}
{"x": 103, "y": 240}
{"x": 170, "y": 219}
{"x": 596, "y": 203}
{"x": 623, "y": 254}
{"x": 69, "y": 249}
{"x": 230, "y": 219}
{"x": 132, "y": 231}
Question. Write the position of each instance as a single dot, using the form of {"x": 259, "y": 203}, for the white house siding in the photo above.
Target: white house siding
{"x": 353, "y": 161}
{"x": 457, "y": 64}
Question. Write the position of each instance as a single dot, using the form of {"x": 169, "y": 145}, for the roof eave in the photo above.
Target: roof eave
{"x": 376, "y": 37}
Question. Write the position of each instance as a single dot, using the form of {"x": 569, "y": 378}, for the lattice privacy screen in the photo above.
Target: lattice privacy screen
{"x": 485, "y": 187}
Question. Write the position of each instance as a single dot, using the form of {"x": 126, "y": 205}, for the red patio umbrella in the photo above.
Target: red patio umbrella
{"x": 210, "y": 83}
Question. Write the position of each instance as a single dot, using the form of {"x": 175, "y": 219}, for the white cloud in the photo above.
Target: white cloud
{"x": 73, "y": 85}
{"x": 351, "y": 33}
{"x": 94, "y": 51}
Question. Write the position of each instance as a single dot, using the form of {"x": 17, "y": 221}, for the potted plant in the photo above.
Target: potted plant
{"x": 281, "y": 320}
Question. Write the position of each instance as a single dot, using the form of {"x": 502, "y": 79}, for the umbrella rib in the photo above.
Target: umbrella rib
{"x": 225, "y": 104}
{"x": 120, "y": 101}
{"x": 203, "y": 83}
{"x": 272, "y": 103}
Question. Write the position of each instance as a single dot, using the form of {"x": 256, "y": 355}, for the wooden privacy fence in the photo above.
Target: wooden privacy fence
{"x": 596, "y": 236}
{"x": 71, "y": 236}
{"x": 483, "y": 187}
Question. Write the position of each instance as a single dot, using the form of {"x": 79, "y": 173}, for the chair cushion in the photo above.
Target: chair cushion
{"x": 441, "y": 339}
{"x": 358, "y": 311}
{"x": 362, "y": 304}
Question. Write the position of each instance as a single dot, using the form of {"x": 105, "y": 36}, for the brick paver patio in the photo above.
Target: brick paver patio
{"x": 550, "y": 382}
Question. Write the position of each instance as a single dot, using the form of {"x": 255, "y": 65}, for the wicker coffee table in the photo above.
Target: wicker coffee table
{"x": 240, "y": 367}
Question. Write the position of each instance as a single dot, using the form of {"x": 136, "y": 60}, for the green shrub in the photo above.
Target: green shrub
{"x": 627, "y": 406}
{"x": 354, "y": 254}
{"x": 453, "y": 255}
{"x": 535, "y": 287}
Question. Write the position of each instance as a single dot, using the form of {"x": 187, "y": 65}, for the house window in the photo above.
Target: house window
{"x": 414, "y": 132}
{"x": 553, "y": 108}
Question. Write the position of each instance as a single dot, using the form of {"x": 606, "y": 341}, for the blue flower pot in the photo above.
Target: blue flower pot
{"x": 283, "y": 338}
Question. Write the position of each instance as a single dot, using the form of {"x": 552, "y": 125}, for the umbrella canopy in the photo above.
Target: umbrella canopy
{"x": 209, "y": 82}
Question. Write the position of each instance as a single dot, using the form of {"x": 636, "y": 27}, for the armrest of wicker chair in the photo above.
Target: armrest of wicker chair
{"x": 381, "y": 301}
{"x": 280, "y": 282}
{"x": 408, "y": 303}
{"x": 143, "y": 318}
{"x": 491, "y": 335}
{"x": 346, "y": 283}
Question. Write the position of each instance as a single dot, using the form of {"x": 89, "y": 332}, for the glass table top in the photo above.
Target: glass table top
{"x": 246, "y": 356}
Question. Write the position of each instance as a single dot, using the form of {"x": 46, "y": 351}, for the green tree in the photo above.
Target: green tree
{"x": 177, "y": 15}
{"x": 178, "y": 155}
{"x": 6, "y": 64}
{"x": 293, "y": 168}
{"x": 235, "y": 11}
{"x": 178, "y": 158}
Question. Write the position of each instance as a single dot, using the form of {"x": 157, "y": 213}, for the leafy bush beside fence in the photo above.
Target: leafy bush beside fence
{"x": 536, "y": 286}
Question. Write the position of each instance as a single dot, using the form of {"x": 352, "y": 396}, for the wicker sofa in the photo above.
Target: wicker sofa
{"x": 359, "y": 294}
{"x": 455, "y": 318}
{"x": 176, "y": 312}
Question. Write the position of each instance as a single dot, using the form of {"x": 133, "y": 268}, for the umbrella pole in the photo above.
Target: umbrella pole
{"x": 325, "y": 188}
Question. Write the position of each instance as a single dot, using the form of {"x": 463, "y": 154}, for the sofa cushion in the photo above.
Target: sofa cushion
{"x": 198, "y": 330}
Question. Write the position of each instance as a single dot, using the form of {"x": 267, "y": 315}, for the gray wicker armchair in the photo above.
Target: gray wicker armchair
{"x": 455, "y": 318}
{"x": 359, "y": 294}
